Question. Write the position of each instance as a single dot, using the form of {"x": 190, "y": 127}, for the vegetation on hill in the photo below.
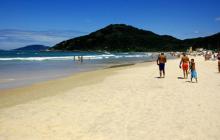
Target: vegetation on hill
{"x": 125, "y": 38}
{"x": 210, "y": 42}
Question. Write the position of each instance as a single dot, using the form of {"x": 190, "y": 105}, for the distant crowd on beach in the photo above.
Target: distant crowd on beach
{"x": 187, "y": 65}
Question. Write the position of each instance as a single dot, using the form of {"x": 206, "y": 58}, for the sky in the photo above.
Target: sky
{"x": 48, "y": 22}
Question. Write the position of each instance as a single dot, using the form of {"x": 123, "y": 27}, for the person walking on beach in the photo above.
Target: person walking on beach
{"x": 184, "y": 64}
{"x": 218, "y": 57}
{"x": 193, "y": 70}
{"x": 161, "y": 60}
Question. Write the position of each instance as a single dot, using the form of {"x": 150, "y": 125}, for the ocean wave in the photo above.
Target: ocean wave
{"x": 36, "y": 58}
{"x": 72, "y": 57}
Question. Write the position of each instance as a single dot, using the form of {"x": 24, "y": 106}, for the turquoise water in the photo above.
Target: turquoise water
{"x": 20, "y": 68}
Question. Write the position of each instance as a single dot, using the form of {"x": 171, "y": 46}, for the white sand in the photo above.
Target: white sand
{"x": 129, "y": 104}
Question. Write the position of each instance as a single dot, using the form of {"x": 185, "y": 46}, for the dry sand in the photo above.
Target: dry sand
{"x": 128, "y": 103}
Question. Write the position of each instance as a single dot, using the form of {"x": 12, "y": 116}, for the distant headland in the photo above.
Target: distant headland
{"x": 32, "y": 48}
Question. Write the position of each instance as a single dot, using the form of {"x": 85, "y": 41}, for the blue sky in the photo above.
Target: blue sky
{"x": 48, "y": 22}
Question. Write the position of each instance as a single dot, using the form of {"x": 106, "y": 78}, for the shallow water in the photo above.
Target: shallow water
{"x": 24, "y": 68}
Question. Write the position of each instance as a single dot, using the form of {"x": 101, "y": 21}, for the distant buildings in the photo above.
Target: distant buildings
{"x": 199, "y": 49}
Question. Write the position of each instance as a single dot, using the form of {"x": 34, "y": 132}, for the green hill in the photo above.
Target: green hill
{"x": 210, "y": 42}
{"x": 125, "y": 38}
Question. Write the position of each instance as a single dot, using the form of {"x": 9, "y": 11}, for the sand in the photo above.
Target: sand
{"x": 125, "y": 103}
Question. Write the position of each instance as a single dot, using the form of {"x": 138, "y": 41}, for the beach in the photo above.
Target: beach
{"x": 119, "y": 103}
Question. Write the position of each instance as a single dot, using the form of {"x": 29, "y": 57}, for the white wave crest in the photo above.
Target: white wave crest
{"x": 92, "y": 57}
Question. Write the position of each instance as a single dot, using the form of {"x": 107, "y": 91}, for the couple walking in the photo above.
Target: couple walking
{"x": 185, "y": 64}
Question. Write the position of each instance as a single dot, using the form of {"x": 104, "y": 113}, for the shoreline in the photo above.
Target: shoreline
{"x": 17, "y": 74}
{"x": 26, "y": 93}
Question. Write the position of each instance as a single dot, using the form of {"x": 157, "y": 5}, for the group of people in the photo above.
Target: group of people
{"x": 213, "y": 55}
{"x": 185, "y": 64}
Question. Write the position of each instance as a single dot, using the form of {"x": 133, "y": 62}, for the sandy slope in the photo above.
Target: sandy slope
{"x": 122, "y": 104}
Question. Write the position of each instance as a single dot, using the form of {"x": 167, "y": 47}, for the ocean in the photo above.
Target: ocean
{"x": 21, "y": 68}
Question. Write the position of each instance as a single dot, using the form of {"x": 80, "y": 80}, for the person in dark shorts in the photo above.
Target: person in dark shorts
{"x": 161, "y": 60}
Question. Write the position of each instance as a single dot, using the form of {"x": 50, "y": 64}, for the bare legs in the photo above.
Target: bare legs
{"x": 185, "y": 74}
{"x": 219, "y": 66}
{"x": 196, "y": 80}
{"x": 162, "y": 73}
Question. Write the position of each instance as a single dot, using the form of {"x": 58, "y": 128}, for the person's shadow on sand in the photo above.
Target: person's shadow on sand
{"x": 190, "y": 82}
{"x": 180, "y": 78}
{"x": 159, "y": 77}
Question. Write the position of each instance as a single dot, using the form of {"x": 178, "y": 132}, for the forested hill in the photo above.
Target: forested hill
{"x": 125, "y": 38}
{"x": 210, "y": 42}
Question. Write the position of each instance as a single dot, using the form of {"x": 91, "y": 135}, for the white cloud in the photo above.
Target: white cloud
{"x": 217, "y": 19}
{"x": 10, "y": 39}
{"x": 196, "y": 32}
